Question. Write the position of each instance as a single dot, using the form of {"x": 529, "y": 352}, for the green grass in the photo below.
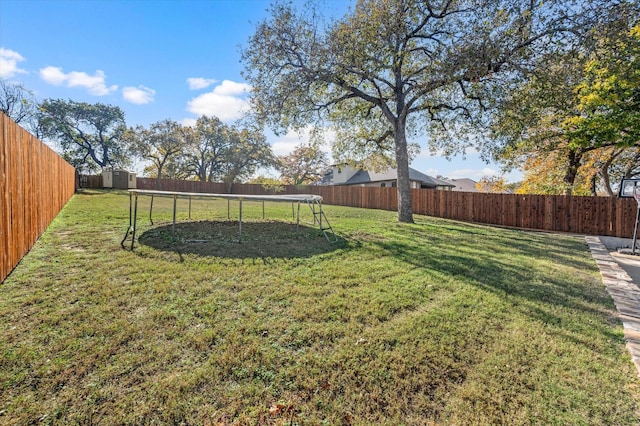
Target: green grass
{"x": 436, "y": 322}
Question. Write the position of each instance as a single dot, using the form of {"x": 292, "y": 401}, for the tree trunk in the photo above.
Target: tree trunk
{"x": 573, "y": 163}
{"x": 158, "y": 179}
{"x": 92, "y": 153}
{"x": 405, "y": 211}
{"x": 604, "y": 170}
{"x": 202, "y": 168}
{"x": 606, "y": 181}
{"x": 202, "y": 173}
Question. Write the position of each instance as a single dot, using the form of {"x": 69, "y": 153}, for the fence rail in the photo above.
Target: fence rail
{"x": 608, "y": 216}
{"x": 35, "y": 183}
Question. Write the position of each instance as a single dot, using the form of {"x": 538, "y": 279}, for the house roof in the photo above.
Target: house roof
{"x": 431, "y": 181}
{"x": 464, "y": 184}
{"x": 367, "y": 176}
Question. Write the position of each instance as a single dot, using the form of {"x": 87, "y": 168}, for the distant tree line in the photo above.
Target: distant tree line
{"x": 95, "y": 136}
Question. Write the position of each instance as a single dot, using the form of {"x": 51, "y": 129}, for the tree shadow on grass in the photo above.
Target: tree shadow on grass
{"x": 260, "y": 240}
{"x": 536, "y": 293}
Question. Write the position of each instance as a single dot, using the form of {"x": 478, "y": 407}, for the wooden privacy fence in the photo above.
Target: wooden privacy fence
{"x": 582, "y": 215}
{"x": 608, "y": 216}
{"x": 35, "y": 183}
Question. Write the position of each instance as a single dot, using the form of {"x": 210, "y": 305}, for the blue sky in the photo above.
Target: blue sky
{"x": 155, "y": 59}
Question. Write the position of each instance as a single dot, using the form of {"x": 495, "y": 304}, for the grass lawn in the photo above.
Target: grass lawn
{"x": 437, "y": 322}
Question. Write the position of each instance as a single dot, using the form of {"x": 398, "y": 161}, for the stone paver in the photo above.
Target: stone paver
{"x": 625, "y": 294}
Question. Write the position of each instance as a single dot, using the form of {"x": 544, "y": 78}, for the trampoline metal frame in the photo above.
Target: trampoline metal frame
{"x": 312, "y": 200}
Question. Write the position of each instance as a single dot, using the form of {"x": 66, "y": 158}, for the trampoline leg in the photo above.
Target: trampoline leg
{"x": 173, "y": 229}
{"x": 135, "y": 220}
{"x": 150, "y": 210}
{"x": 240, "y": 224}
{"x": 129, "y": 228}
{"x": 635, "y": 232}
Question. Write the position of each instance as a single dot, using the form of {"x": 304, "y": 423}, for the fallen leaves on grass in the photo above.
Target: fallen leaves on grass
{"x": 284, "y": 409}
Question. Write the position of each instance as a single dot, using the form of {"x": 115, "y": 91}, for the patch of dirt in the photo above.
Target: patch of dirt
{"x": 72, "y": 247}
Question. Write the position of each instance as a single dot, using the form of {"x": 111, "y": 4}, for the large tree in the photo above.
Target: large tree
{"x": 158, "y": 144}
{"x": 17, "y": 102}
{"x": 91, "y": 135}
{"x": 247, "y": 152}
{"x": 207, "y": 145}
{"x": 390, "y": 68}
{"x": 574, "y": 124}
{"x": 528, "y": 131}
{"x": 216, "y": 151}
{"x": 306, "y": 164}
{"x": 598, "y": 170}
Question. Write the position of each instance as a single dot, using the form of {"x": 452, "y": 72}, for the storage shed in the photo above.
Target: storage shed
{"x": 119, "y": 179}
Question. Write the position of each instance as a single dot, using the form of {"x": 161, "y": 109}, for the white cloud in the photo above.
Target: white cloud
{"x": 226, "y": 101}
{"x": 95, "y": 84}
{"x": 53, "y": 75}
{"x": 284, "y": 145}
{"x": 188, "y": 122}
{"x": 475, "y": 174}
{"x": 196, "y": 83}
{"x": 9, "y": 63}
{"x": 138, "y": 95}
{"x": 329, "y": 138}
{"x": 232, "y": 88}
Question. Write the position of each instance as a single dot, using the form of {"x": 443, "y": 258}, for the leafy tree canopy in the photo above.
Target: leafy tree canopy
{"x": 569, "y": 127}
{"x": 91, "y": 135}
{"x": 306, "y": 164}
{"x": 494, "y": 184}
{"x": 17, "y": 102}
{"x": 158, "y": 144}
{"x": 395, "y": 69}
{"x": 247, "y": 152}
{"x": 609, "y": 95}
{"x": 208, "y": 143}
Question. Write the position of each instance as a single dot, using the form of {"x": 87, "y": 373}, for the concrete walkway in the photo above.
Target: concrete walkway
{"x": 621, "y": 277}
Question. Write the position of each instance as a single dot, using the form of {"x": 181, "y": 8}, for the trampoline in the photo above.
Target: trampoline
{"x": 313, "y": 201}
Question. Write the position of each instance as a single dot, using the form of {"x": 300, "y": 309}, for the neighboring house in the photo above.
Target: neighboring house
{"x": 347, "y": 175}
{"x": 463, "y": 185}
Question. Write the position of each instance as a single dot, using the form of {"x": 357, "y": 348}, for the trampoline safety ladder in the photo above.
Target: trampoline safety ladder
{"x": 321, "y": 219}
